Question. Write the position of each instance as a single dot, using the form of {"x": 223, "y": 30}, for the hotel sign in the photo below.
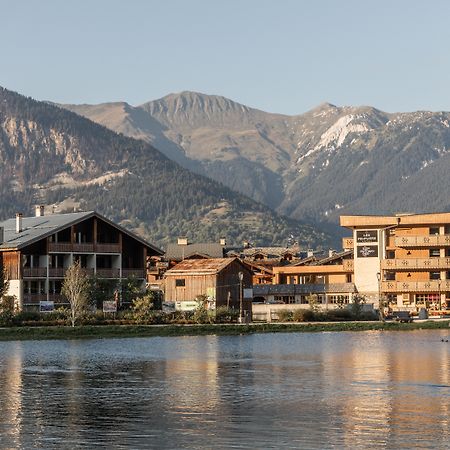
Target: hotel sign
{"x": 367, "y": 251}
{"x": 365, "y": 237}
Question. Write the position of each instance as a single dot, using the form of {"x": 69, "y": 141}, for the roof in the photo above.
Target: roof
{"x": 334, "y": 257}
{"x": 179, "y": 252}
{"x": 396, "y": 220}
{"x": 36, "y": 228}
{"x": 207, "y": 266}
{"x": 273, "y": 252}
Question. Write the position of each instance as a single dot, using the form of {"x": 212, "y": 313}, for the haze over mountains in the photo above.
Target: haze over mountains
{"x": 52, "y": 156}
{"x": 317, "y": 166}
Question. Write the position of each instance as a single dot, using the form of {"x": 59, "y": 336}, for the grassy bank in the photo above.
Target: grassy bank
{"x": 115, "y": 331}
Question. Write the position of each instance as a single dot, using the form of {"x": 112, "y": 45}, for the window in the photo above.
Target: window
{"x": 338, "y": 299}
{"x": 180, "y": 282}
{"x": 390, "y": 254}
{"x": 434, "y": 230}
{"x": 435, "y": 252}
{"x": 389, "y": 276}
{"x": 435, "y": 275}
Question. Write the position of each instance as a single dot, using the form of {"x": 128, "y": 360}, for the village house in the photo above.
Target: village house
{"x": 222, "y": 280}
{"x": 36, "y": 251}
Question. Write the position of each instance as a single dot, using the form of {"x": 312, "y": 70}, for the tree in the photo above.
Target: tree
{"x": 75, "y": 288}
{"x": 4, "y": 282}
{"x": 142, "y": 308}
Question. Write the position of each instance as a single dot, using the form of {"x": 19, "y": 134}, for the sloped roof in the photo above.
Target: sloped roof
{"x": 274, "y": 252}
{"x": 37, "y": 228}
{"x": 334, "y": 257}
{"x": 178, "y": 252}
{"x": 210, "y": 266}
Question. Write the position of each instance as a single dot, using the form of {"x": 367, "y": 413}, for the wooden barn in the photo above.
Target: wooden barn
{"x": 217, "y": 278}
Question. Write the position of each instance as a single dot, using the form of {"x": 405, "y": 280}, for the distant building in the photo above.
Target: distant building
{"x": 404, "y": 259}
{"x": 183, "y": 249}
{"x": 36, "y": 251}
{"x": 217, "y": 278}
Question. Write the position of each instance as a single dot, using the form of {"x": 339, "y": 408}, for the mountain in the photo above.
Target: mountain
{"x": 317, "y": 165}
{"x": 52, "y": 156}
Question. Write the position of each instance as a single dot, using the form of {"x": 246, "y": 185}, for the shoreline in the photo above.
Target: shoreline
{"x": 125, "y": 331}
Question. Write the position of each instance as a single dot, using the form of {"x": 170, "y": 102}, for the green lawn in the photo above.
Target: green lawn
{"x": 111, "y": 331}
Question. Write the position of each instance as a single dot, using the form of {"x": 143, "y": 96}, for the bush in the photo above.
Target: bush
{"x": 338, "y": 315}
{"x": 142, "y": 309}
{"x": 285, "y": 315}
{"x": 226, "y": 315}
{"x": 303, "y": 315}
{"x": 6, "y": 319}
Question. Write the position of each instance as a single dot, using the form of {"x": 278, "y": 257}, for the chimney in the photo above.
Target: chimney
{"x": 310, "y": 253}
{"x": 2, "y": 235}
{"x": 223, "y": 242}
{"x": 331, "y": 252}
{"x": 183, "y": 241}
{"x": 39, "y": 210}
{"x": 18, "y": 222}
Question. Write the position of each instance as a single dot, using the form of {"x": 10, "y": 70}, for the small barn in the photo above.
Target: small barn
{"x": 217, "y": 278}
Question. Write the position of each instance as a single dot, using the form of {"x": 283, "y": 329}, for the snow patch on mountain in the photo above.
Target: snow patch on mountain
{"x": 334, "y": 137}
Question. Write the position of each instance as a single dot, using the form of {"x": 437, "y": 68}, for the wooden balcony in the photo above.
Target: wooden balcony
{"x": 108, "y": 273}
{"x": 34, "y": 299}
{"x": 67, "y": 247}
{"x": 35, "y": 272}
{"x": 107, "y": 248}
{"x": 347, "y": 243}
{"x": 56, "y": 272}
{"x": 416, "y": 286}
{"x": 439, "y": 240}
{"x": 136, "y": 273}
{"x": 408, "y": 264}
{"x": 348, "y": 265}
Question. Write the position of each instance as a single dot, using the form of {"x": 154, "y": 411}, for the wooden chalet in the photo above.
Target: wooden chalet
{"x": 217, "y": 278}
{"x": 36, "y": 251}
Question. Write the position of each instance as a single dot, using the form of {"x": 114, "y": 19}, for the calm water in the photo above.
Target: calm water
{"x": 324, "y": 390}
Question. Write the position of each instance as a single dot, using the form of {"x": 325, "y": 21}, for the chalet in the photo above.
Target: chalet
{"x": 217, "y": 278}
{"x": 36, "y": 251}
{"x": 183, "y": 249}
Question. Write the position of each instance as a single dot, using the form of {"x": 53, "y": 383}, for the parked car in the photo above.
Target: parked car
{"x": 402, "y": 316}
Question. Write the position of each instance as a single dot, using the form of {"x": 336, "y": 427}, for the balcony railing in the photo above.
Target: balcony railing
{"x": 34, "y": 272}
{"x": 89, "y": 247}
{"x": 33, "y": 299}
{"x": 347, "y": 243}
{"x": 348, "y": 265}
{"x": 108, "y": 273}
{"x": 137, "y": 273}
{"x": 107, "y": 248}
{"x": 415, "y": 263}
{"x": 439, "y": 240}
{"x": 416, "y": 286}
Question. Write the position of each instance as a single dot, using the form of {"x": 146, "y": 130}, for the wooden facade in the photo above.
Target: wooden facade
{"x": 47, "y": 246}
{"x": 216, "y": 278}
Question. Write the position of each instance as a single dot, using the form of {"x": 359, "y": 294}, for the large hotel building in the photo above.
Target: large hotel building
{"x": 403, "y": 258}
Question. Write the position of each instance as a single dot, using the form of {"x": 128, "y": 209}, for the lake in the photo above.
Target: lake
{"x": 354, "y": 390}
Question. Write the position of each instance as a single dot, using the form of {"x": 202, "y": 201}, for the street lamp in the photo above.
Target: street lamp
{"x": 379, "y": 296}
{"x": 241, "y": 277}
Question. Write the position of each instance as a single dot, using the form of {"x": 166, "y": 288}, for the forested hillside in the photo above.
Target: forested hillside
{"x": 50, "y": 155}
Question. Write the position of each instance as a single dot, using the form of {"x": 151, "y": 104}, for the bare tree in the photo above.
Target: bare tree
{"x": 75, "y": 288}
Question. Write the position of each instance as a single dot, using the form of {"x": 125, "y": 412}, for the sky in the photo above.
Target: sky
{"x": 284, "y": 56}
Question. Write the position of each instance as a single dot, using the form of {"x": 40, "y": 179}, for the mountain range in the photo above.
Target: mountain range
{"x": 313, "y": 166}
{"x": 55, "y": 157}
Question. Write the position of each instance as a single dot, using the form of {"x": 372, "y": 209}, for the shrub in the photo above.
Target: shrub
{"x": 338, "y": 315}
{"x": 142, "y": 309}
{"x": 303, "y": 315}
{"x": 285, "y": 315}
{"x": 226, "y": 315}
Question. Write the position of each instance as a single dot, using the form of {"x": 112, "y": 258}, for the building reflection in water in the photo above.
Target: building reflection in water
{"x": 11, "y": 372}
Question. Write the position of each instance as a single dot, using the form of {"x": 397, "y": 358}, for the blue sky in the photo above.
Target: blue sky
{"x": 283, "y": 56}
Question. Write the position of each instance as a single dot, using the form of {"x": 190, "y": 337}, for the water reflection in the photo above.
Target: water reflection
{"x": 328, "y": 390}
